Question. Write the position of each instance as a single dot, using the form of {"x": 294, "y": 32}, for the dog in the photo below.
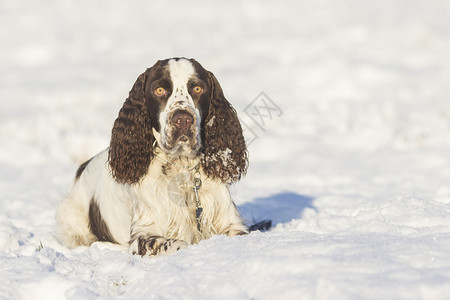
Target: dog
{"x": 163, "y": 183}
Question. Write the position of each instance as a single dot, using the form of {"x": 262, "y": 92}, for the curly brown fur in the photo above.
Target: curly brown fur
{"x": 131, "y": 150}
{"x": 225, "y": 153}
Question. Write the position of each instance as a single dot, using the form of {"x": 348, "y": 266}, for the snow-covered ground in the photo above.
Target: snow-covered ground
{"x": 352, "y": 165}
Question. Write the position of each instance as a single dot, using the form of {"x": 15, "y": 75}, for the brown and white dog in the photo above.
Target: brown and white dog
{"x": 163, "y": 182}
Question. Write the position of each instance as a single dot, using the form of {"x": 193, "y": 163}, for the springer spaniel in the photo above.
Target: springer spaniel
{"x": 163, "y": 182}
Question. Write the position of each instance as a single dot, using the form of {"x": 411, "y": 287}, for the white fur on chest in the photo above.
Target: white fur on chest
{"x": 169, "y": 200}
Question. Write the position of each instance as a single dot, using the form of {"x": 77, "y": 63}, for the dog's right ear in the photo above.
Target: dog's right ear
{"x": 131, "y": 147}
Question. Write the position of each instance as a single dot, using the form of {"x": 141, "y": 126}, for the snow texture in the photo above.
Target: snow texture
{"x": 352, "y": 163}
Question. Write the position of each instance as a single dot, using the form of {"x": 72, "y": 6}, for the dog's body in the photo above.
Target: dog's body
{"x": 163, "y": 183}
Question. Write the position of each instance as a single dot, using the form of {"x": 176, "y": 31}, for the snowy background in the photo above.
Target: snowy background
{"x": 353, "y": 168}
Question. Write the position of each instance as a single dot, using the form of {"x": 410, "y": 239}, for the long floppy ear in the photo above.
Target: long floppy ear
{"x": 225, "y": 153}
{"x": 131, "y": 147}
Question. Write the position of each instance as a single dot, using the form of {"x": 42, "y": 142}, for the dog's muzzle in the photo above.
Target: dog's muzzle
{"x": 182, "y": 134}
{"x": 182, "y": 120}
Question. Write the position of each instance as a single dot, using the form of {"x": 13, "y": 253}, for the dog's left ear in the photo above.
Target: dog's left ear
{"x": 225, "y": 155}
{"x": 131, "y": 147}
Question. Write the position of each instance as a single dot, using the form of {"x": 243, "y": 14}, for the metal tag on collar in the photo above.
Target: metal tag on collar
{"x": 198, "y": 207}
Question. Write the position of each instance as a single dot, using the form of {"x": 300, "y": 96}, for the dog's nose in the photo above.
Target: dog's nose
{"x": 182, "y": 119}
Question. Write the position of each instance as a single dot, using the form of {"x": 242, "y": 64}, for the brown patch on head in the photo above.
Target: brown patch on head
{"x": 131, "y": 147}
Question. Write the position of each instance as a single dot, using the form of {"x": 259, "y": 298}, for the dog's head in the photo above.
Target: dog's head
{"x": 180, "y": 105}
{"x": 176, "y": 91}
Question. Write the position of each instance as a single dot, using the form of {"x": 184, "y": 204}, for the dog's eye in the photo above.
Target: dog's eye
{"x": 197, "y": 90}
{"x": 160, "y": 91}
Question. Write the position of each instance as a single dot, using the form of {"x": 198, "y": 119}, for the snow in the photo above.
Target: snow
{"x": 352, "y": 166}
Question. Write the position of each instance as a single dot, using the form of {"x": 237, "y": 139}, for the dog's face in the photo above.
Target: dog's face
{"x": 178, "y": 96}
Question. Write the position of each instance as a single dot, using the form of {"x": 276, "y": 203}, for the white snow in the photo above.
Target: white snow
{"x": 354, "y": 173}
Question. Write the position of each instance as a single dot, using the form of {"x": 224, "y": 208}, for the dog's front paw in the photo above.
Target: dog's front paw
{"x": 171, "y": 246}
{"x": 156, "y": 245}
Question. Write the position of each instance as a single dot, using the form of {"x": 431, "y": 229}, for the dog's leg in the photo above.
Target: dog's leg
{"x": 230, "y": 222}
{"x": 146, "y": 238}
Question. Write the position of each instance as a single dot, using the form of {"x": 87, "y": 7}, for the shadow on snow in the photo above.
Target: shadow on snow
{"x": 280, "y": 208}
